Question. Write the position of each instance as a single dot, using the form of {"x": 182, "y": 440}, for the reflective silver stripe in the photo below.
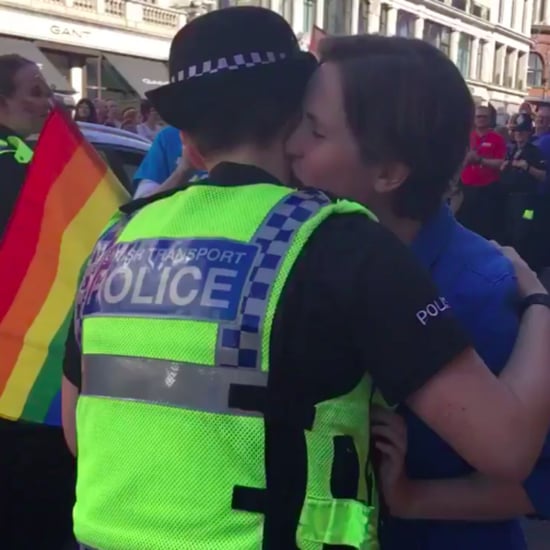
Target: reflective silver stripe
{"x": 239, "y": 344}
{"x": 183, "y": 385}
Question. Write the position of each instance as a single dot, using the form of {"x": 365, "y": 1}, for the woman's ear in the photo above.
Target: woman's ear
{"x": 391, "y": 176}
{"x": 195, "y": 158}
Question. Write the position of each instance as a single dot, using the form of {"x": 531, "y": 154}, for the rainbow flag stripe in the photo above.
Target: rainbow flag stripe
{"x": 67, "y": 199}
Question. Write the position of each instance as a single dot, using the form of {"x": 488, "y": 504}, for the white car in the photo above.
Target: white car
{"x": 123, "y": 151}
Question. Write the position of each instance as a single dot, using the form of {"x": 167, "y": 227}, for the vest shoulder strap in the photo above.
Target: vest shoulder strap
{"x": 15, "y": 146}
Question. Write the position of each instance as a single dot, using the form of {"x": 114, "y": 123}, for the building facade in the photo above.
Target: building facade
{"x": 539, "y": 58}
{"x": 113, "y": 48}
{"x": 96, "y": 48}
{"x": 489, "y": 40}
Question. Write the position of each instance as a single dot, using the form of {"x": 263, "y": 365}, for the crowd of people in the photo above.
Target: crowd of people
{"x": 506, "y": 182}
{"x": 145, "y": 122}
{"x": 264, "y": 353}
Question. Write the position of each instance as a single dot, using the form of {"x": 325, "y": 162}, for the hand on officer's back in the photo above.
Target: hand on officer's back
{"x": 528, "y": 282}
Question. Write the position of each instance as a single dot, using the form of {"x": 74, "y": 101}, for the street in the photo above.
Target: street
{"x": 538, "y": 534}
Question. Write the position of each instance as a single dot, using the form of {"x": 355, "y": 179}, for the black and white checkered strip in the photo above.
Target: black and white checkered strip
{"x": 239, "y": 344}
{"x": 233, "y": 63}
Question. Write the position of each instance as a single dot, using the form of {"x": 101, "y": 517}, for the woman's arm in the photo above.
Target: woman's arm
{"x": 415, "y": 356}
{"x": 537, "y": 173}
{"x": 470, "y": 498}
{"x": 69, "y": 398}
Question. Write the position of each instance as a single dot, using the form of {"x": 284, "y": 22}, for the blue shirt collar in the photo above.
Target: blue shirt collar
{"x": 433, "y": 237}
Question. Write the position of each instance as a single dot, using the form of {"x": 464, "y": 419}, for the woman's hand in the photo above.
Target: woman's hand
{"x": 521, "y": 164}
{"x": 389, "y": 434}
{"x": 528, "y": 282}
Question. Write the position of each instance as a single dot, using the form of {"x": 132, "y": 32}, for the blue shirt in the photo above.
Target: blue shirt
{"x": 162, "y": 158}
{"x": 480, "y": 285}
{"x": 543, "y": 143}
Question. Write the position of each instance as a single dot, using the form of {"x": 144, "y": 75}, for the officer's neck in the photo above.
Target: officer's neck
{"x": 272, "y": 159}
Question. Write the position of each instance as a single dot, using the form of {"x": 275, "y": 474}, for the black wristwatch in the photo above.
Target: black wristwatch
{"x": 540, "y": 299}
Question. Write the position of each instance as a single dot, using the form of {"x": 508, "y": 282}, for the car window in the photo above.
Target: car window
{"x": 131, "y": 161}
{"x": 123, "y": 163}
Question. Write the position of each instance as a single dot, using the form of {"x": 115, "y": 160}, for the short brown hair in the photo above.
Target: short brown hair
{"x": 405, "y": 101}
{"x": 9, "y": 65}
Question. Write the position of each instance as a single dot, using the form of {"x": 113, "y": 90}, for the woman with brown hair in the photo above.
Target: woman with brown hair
{"x": 387, "y": 123}
{"x": 36, "y": 469}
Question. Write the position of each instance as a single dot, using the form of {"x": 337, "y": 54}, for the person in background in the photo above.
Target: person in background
{"x": 37, "y": 473}
{"x": 150, "y": 121}
{"x": 130, "y": 120}
{"x": 85, "y": 111}
{"x": 113, "y": 118}
{"x": 164, "y": 166}
{"x": 523, "y": 171}
{"x": 101, "y": 110}
{"x": 541, "y": 139}
{"x": 476, "y": 279}
{"x": 526, "y": 109}
{"x": 542, "y": 122}
{"x": 511, "y": 125}
{"x": 481, "y": 208}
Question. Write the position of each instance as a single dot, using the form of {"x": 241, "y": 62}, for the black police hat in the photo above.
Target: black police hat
{"x": 523, "y": 123}
{"x": 230, "y": 52}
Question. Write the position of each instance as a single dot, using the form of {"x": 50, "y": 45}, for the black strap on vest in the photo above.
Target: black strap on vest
{"x": 286, "y": 417}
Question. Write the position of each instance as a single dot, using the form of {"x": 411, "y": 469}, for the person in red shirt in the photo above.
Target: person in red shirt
{"x": 482, "y": 206}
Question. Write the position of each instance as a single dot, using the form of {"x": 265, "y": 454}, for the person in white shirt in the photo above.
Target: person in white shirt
{"x": 150, "y": 126}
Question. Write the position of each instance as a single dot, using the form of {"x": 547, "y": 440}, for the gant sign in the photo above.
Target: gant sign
{"x": 69, "y": 32}
{"x": 151, "y": 82}
{"x": 38, "y": 27}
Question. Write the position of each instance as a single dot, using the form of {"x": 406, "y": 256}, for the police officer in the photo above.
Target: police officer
{"x": 523, "y": 174}
{"x": 232, "y": 333}
{"x": 36, "y": 469}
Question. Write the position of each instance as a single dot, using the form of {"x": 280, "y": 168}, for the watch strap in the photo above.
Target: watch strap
{"x": 540, "y": 299}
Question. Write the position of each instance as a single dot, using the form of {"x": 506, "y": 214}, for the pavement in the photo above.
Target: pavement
{"x": 538, "y": 534}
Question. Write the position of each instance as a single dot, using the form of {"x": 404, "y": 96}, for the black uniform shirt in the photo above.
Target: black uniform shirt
{"x": 355, "y": 301}
{"x": 12, "y": 177}
{"x": 352, "y": 303}
{"x": 517, "y": 180}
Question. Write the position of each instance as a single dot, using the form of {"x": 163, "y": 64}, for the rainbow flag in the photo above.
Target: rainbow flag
{"x": 67, "y": 199}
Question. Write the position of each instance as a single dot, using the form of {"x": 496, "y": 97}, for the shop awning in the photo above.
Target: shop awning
{"x": 29, "y": 50}
{"x": 141, "y": 74}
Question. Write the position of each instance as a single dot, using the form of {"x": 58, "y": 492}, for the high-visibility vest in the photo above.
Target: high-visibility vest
{"x": 180, "y": 406}
{"x": 14, "y": 145}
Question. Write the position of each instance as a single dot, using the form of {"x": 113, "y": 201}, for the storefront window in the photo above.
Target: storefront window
{"x": 286, "y": 9}
{"x": 364, "y": 8}
{"x": 104, "y": 82}
{"x": 464, "y": 52}
{"x": 338, "y": 16}
{"x": 229, "y": 3}
{"x": 62, "y": 61}
{"x": 309, "y": 15}
{"x": 438, "y": 36}
{"x": 384, "y": 20}
{"x": 480, "y": 57}
{"x": 535, "y": 70}
{"x": 405, "y": 24}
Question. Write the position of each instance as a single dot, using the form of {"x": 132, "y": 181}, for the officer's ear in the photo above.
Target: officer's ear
{"x": 195, "y": 158}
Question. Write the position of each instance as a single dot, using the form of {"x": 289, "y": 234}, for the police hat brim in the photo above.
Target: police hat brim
{"x": 180, "y": 104}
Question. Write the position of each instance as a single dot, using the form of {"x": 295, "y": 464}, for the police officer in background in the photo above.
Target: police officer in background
{"x": 523, "y": 174}
{"x": 232, "y": 333}
{"x": 36, "y": 469}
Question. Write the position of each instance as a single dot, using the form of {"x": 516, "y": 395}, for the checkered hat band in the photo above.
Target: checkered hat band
{"x": 231, "y": 63}
{"x": 239, "y": 344}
